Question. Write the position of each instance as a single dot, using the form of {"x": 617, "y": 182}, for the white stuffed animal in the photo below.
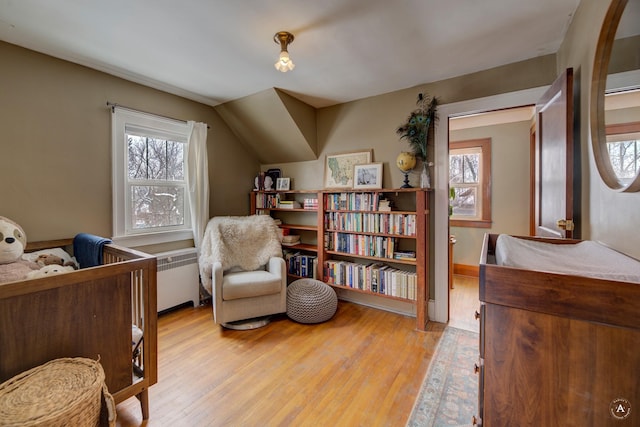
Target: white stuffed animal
{"x": 49, "y": 270}
{"x": 13, "y": 240}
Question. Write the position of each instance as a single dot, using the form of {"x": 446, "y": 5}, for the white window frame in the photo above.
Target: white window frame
{"x": 477, "y": 185}
{"x": 484, "y": 190}
{"x": 160, "y": 127}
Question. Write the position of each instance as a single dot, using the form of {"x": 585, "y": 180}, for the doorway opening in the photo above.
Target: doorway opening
{"x": 490, "y": 173}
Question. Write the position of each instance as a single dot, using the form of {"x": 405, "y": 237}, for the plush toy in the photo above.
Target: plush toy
{"x": 13, "y": 240}
{"x": 49, "y": 270}
{"x": 51, "y": 259}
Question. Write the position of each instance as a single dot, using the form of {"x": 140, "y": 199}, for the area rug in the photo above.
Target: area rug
{"x": 449, "y": 392}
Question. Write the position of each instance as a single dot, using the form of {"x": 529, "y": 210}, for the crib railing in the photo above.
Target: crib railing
{"x": 143, "y": 268}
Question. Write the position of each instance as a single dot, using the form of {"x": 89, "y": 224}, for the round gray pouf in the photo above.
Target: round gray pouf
{"x": 311, "y": 301}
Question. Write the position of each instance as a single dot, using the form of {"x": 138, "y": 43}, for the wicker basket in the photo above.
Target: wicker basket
{"x": 62, "y": 392}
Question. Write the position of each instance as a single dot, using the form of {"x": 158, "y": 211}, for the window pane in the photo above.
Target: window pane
{"x": 625, "y": 158}
{"x": 464, "y": 168}
{"x": 470, "y": 167}
{"x": 157, "y": 166}
{"x": 137, "y": 149}
{"x": 156, "y": 206}
{"x": 455, "y": 168}
{"x": 175, "y": 161}
{"x": 465, "y": 202}
{"x": 157, "y": 159}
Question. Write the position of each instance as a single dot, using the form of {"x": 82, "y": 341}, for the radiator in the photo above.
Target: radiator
{"x": 178, "y": 279}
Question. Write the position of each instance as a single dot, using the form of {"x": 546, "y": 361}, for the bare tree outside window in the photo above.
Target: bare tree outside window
{"x": 464, "y": 178}
{"x": 625, "y": 158}
{"x": 156, "y": 171}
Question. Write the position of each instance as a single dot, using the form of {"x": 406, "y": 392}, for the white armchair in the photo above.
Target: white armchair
{"x": 242, "y": 267}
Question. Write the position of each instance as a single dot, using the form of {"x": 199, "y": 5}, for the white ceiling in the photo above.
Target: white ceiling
{"x": 214, "y": 51}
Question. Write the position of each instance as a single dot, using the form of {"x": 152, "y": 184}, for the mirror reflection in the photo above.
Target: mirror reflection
{"x": 622, "y": 99}
{"x": 622, "y": 121}
{"x": 622, "y": 105}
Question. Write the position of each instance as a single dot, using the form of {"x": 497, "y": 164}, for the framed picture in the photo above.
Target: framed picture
{"x": 367, "y": 176}
{"x": 274, "y": 174}
{"x": 338, "y": 168}
{"x": 283, "y": 184}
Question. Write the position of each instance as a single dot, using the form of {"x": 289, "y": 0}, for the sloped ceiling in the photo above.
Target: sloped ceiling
{"x": 216, "y": 51}
{"x": 276, "y": 126}
{"x": 221, "y": 52}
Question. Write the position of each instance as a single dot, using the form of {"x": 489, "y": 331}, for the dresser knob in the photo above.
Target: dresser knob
{"x": 476, "y": 315}
{"x": 474, "y": 420}
{"x": 476, "y": 368}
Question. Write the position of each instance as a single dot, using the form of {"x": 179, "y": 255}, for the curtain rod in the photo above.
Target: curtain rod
{"x": 113, "y": 106}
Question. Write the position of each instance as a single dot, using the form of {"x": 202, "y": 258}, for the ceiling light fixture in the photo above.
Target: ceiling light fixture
{"x": 284, "y": 64}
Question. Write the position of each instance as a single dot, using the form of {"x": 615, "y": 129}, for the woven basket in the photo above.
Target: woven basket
{"x": 62, "y": 392}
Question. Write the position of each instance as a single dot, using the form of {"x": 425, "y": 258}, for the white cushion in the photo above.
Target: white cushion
{"x": 248, "y": 284}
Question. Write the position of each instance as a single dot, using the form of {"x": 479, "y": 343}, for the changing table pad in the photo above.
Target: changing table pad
{"x": 586, "y": 258}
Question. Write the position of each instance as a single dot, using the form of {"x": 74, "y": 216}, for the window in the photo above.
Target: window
{"x": 150, "y": 200}
{"x": 623, "y": 146}
{"x": 470, "y": 183}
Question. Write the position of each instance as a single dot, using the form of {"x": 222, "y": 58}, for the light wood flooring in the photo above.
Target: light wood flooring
{"x": 364, "y": 367}
{"x": 463, "y": 303}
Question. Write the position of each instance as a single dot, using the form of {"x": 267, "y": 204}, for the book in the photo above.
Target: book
{"x": 289, "y": 204}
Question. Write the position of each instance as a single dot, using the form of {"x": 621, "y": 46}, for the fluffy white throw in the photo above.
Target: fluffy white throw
{"x": 245, "y": 242}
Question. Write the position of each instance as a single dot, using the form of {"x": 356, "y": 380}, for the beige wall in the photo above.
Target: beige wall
{"x": 55, "y": 145}
{"x": 370, "y": 123}
{"x": 509, "y": 187}
{"x": 608, "y": 216}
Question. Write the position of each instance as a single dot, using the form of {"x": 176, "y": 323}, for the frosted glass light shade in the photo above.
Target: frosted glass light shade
{"x": 284, "y": 63}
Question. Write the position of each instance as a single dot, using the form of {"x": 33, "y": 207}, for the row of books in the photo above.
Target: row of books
{"x": 376, "y": 278}
{"x": 302, "y": 265}
{"x": 400, "y": 224}
{"x": 273, "y": 201}
{"x": 355, "y": 201}
{"x": 361, "y": 244}
{"x": 310, "y": 204}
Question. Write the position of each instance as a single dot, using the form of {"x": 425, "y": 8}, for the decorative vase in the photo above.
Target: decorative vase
{"x": 425, "y": 176}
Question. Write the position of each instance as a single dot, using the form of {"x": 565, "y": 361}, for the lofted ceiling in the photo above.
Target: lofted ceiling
{"x": 215, "y": 51}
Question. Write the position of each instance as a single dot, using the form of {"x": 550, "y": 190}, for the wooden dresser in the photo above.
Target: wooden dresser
{"x": 556, "y": 349}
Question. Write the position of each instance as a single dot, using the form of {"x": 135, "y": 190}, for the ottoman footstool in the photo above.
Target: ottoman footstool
{"x": 311, "y": 301}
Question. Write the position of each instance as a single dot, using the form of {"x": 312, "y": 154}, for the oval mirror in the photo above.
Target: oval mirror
{"x": 615, "y": 97}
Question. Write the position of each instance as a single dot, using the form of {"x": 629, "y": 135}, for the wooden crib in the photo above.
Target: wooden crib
{"x": 86, "y": 313}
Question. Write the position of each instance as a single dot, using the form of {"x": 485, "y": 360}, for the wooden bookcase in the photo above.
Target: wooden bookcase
{"x": 302, "y": 221}
{"x": 357, "y": 244}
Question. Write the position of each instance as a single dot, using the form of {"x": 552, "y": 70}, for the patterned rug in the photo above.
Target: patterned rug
{"x": 449, "y": 392}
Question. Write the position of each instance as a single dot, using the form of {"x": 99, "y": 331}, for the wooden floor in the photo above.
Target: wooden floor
{"x": 463, "y": 303}
{"x": 362, "y": 368}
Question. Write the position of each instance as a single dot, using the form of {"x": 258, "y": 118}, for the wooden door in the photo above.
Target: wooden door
{"x": 555, "y": 198}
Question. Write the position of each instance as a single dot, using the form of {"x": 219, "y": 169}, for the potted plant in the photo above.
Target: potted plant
{"x": 416, "y": 131}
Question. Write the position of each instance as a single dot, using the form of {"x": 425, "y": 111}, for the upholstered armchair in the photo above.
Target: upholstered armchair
{"x": 242, "y": 267}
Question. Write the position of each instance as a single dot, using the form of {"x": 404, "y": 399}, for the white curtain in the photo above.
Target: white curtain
{"x": 198, "y": 180}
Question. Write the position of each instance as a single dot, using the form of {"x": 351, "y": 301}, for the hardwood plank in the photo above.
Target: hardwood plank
{"x": 463, "y": 303}
{"x": 363, "y": 367}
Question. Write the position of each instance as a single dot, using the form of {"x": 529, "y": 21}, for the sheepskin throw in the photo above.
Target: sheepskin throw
{"x": 245, "y": 242}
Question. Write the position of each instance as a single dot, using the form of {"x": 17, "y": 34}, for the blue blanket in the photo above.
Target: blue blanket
{"x": 87, "y": 249}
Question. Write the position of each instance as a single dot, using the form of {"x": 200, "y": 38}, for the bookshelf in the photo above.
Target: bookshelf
{"x": 298, "y": 217}
{"x": 374, "y": 242}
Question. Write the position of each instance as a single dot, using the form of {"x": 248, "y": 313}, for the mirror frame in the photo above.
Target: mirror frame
{"x": 598, "y": 89}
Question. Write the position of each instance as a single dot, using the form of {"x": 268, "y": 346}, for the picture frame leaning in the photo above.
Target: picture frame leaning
{"x": 283, "y": 184}
{"x": 367, "y": 176}
{"x": 338, "y": 168}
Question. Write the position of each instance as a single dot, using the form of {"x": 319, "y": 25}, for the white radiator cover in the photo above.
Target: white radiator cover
{"x": 178, "y": 278}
